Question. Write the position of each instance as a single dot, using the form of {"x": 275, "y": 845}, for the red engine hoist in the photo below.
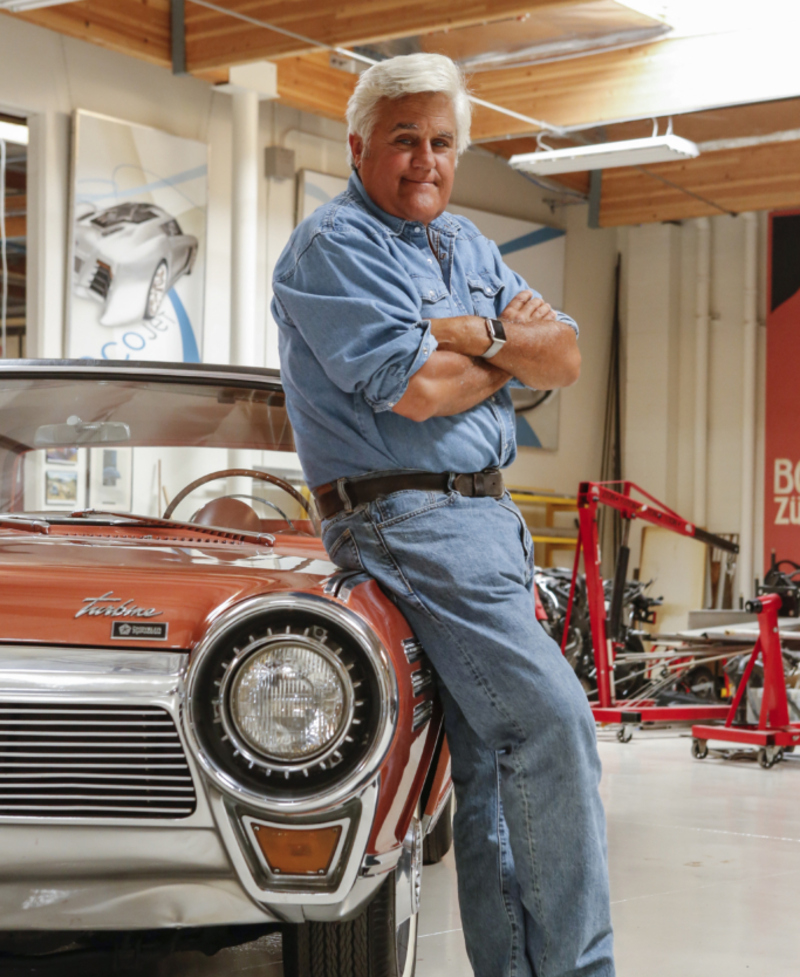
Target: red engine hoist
{"x": 774, "y": 732}
{"x": 606, "y": 635}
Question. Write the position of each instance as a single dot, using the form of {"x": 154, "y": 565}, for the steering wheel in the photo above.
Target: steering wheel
{"x": 232, "y": 473}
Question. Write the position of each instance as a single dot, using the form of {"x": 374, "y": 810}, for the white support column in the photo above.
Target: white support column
{"x": 244, "y": 228}
{"x": 746, "y": 572}
{"x": 703, "y": 287}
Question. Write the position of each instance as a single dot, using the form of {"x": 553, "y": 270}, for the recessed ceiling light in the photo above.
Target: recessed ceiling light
{"x": 606, "y": 155}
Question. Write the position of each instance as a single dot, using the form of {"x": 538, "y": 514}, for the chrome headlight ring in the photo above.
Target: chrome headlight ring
{"x": 347, "y": 761}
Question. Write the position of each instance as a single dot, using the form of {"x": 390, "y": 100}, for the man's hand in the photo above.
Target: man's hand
{"x": 524, "y": 307}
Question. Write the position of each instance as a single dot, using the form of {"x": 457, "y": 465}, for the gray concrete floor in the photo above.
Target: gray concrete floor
{"x": 705, "y": 869}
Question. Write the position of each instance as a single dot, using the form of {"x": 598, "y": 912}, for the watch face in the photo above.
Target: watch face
{"x": 499, "y": 330}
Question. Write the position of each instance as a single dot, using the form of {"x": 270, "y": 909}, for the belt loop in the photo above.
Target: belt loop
{"x": 342, "y": 491}
{"x": 451, "y": 481}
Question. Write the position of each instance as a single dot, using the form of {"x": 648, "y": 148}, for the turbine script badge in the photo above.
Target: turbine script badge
{"x": 110, "y": 606}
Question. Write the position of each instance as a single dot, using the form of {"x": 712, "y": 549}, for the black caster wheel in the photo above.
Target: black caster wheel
{"x": 700, "y": 749}
{"x": 624, "y": 734}
{"x": 768, "y": 756}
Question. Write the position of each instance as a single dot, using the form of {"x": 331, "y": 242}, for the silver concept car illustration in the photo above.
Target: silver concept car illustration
{"x": 128, "y": 257}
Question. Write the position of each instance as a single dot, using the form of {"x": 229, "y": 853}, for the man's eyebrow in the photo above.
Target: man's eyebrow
{"x": 443, "y": 133}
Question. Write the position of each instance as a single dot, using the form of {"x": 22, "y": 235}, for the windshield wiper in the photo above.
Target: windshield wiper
{"x": 30, "y": 523}
{"x": 265, "y": 539}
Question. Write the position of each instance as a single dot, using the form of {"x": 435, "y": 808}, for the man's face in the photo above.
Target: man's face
{"x": 409, "y": 165}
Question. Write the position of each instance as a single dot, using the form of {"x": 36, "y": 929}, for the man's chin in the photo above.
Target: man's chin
{"x": 424, "y": 204}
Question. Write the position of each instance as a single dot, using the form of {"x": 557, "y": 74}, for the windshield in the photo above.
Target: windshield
{"x": 125, "y": 213}
{"x": 131, "y": 445}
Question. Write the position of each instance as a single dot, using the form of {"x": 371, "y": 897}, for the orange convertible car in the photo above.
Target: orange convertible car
{"x": 207, "y": 731}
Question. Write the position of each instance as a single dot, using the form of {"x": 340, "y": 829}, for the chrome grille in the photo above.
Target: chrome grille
{"x": 92, "y": 761}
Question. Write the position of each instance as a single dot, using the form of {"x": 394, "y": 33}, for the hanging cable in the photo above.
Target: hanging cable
{"x": 3, "y": 249}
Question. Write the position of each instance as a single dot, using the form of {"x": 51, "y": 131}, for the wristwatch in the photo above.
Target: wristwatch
{"x": 497, "y": 337}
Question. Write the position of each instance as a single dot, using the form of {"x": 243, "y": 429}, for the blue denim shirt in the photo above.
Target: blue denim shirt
{"x": 354, "y": 293}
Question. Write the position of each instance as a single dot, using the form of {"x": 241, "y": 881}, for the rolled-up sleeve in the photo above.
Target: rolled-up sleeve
{"x": 359, "y": 314}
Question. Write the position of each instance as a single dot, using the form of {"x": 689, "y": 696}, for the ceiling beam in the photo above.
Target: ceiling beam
{"x": 763, "y": 177}
{"x": 311, "y": 85}
{"x": 140, "y": 28}
{"x": 214, "y": 39}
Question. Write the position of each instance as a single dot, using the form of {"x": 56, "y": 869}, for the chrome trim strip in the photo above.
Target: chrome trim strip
{"x": 421, "y": 679}
{"x": 422, "y": 714}
{"x": 413, "y": 650}
{"x": 388, "y": 693}
{"x": 204, "y": 373}
{"x": 78, "y": 672}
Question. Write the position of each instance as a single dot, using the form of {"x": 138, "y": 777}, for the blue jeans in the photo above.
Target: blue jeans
{"x": 530, "y": 840}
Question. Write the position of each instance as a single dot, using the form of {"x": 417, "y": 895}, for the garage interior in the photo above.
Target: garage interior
{"x": 668, "y": 267}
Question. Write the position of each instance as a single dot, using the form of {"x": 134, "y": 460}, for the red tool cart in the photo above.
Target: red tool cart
{"x": 605, "y": 634}
{"x": 774, "y": 733}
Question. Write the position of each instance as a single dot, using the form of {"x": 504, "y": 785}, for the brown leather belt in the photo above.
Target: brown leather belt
{"x": 333, "y": 497}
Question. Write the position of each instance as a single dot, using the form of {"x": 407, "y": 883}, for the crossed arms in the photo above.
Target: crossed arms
{"x": 541, "y": 351}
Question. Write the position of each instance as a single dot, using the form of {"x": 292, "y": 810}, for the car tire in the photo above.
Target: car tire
{"x": 439, "y": 841}
{"x": 371, "y": 945}
{"x": 157, "y": 291}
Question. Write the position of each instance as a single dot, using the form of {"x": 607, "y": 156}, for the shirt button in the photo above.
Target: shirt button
{"x": 430, "y": 261}
{"x": 430, "y": 294}
{"x": 488, "y": 291}
{"x": 417, "y": 230}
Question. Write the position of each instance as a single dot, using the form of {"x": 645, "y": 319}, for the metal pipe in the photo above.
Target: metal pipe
{"x": 702, "y": 299}
{"x": 244, "y": 227}
{"x": 749, "y": 358}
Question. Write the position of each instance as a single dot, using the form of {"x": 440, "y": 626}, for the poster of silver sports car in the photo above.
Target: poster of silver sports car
{"x": 138, "y": 242}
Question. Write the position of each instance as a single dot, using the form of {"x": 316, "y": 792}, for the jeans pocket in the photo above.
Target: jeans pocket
{"x": 524, "y": 532}
{"x": 342, "y": 549}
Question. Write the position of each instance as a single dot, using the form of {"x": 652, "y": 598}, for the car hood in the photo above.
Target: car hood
{"x": 137, "y": 588}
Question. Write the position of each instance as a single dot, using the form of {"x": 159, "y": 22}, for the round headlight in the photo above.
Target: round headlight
{"x": 289, "y": 701}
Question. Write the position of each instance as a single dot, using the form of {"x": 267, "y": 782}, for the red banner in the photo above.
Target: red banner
{"x": 782, "y": 475}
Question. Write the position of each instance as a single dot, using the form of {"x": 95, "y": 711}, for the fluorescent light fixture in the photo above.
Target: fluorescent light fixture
{"x": 14, "y": 132}
{"x": 605, "y": 155}
{"x": 20, "y": 6}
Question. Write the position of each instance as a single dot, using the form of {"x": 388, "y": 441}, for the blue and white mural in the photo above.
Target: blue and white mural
{"x": 138, "y": 243}
{"x": 533, "y": 250}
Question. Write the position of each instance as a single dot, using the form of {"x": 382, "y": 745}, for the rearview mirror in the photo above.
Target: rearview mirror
{"x": 76, "y": 431}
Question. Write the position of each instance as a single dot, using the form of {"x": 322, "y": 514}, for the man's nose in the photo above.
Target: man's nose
{"x": 424, "y": 155}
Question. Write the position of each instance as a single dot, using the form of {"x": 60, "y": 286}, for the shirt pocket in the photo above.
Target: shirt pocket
{"x": 433, "y": 296}
{"x": 484, "y": 287}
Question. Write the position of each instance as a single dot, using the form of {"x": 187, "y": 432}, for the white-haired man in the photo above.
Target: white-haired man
{"x": 400, "y": 331}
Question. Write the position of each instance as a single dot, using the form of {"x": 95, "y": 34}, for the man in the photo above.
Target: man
{"x": 400, "y": 331}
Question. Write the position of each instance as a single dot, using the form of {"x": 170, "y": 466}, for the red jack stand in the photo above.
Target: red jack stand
{"x": 606, "y": 644}
{"x": 774, "y": 732}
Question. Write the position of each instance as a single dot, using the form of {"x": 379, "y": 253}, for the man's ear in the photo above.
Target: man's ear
{"x": 356, "y": 148}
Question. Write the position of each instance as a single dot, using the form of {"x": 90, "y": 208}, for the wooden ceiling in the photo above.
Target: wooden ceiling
{"x": 677, "y": 77}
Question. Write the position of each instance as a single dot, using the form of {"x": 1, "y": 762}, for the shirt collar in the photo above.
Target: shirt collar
{"x": 444, "y": 223}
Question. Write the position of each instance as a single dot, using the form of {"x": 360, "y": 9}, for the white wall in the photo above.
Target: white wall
{"x": 659, "y": 263}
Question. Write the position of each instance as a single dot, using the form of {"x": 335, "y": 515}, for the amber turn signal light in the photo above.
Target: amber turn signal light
{"x": 298, "y": 851}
